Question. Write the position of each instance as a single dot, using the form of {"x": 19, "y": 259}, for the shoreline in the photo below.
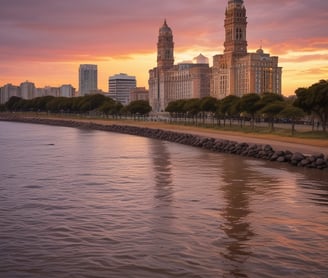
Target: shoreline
{"x": 272, "y": 149}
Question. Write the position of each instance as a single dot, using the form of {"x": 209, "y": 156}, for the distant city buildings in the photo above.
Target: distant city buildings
{"x": 88, "y": 79}
{"x": 27, "y": 90}
{"x": 120, "y": 87}
{"x": 235, "y": 72}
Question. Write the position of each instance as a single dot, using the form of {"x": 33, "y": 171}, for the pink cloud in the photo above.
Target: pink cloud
{"x": 84, "y": 30}
{"x": 102, "y": 27}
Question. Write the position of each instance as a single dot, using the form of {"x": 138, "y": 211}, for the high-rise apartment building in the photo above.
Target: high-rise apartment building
{"x": 88, "y": 79}
{"x": 237, "y": 72}
{"x": 28, "y": 90}
{"x": 120, "y": 87}
{"x": 8, "y": 91}
{"x": 169, "y": 82}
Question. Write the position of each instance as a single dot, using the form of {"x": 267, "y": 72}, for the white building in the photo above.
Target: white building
{"x": 67, "y": 91}
{"x": 8, "y": 91}
{"x": 27, "y": 90}
{"x": 120, "y": 87}
{"x": 88, "y": 79}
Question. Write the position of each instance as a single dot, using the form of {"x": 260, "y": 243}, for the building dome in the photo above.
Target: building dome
{"x": 165, "y": 29}
{"x": 201, "y": 59}
{"x": 260, "y": 51}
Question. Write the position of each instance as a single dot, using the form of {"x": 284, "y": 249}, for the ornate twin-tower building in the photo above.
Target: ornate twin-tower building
{"x": 235, "y": 72}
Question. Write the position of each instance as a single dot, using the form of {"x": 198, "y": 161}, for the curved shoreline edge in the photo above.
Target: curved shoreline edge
{"x": 258, "y": 151}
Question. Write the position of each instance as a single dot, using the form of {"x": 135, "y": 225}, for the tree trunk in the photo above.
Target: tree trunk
{"x": 293, "y": 127}
{"x": 272, "y": 125}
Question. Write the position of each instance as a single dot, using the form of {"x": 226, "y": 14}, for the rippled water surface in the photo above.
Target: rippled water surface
{"x": 83, "y": 203}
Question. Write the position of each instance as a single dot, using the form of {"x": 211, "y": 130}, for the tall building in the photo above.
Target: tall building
{"x": 120, "y": 87}
{"x": 28, "y": 90}
{"x": 88, "y": 79}
{"x": 237, "y": 72}
{"x": 169, "y": 82}
{"x": 8, "y": 91}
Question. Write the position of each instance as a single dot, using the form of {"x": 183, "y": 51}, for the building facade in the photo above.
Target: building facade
{"x": 8, "y": 91}
{"x": 67, "y": 91}
{"x": 139, "y": 93}
{"x": 120, "y": 87}
{"x": 237, "y": 72}
{"x": 169, "y": 82}
{"x": 27, "y": 90}
{"x": 88, "y": 79}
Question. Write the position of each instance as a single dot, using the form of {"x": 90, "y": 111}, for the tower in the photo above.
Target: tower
{"x": 88, "y": 79}
{"x": 235, "y": 24}
{"x": 165, "y": 48}
{"x": 237, "y": 72}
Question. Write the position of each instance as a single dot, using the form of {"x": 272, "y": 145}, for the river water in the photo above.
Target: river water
{"x": 84, "y": 203}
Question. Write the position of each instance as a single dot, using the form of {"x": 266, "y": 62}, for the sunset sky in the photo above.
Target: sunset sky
{"x": 45, "y": 41}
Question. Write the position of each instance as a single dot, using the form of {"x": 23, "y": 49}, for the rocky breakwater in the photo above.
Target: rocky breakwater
{"x": 266, "y": 152}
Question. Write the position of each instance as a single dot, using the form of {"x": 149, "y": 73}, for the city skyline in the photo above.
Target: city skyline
{"x": 47, "y": 48}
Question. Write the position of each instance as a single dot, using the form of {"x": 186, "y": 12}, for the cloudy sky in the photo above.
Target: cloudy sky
{"x": 44, "y": 41}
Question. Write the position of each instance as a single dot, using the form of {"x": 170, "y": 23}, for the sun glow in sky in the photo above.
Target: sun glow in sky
{"x": 46, "y": 41}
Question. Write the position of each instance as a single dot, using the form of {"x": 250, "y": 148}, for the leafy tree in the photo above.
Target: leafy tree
{"x": 208, "y": 104}
{"x": 271, "y": 97}
{"x": 192, "y": 106}
{"x": 229, "y": 107}
{"x": 141, "y": 107}
{"x": 176, "y": 106}
{"x": 292, "y": 113}
{"x": 2, "y": 108}
{"x": 12, "y": 103}
{"x": 111, "y": 107}
{"x": 315, "y": 100}
{"x": 271, "y": 110}
{"x": 91, "y": 102}
{"x": 250, "y": 104}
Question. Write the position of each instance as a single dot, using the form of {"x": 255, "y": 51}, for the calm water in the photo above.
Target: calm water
{"x": 81, "y": 203}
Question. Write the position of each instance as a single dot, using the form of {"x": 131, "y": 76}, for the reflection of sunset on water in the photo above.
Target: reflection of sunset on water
{"x": 106, "y": 204}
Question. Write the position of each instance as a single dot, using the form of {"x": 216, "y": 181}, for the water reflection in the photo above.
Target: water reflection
{"x": 236, "y": 190}
{"x": 162, "y": 172}
{"x": 163, "y": 190}
{"x": 316, "y": 185}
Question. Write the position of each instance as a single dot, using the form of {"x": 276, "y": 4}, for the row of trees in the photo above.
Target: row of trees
{"x": 97, "y": 102}
{"x": 308, "y": 101}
